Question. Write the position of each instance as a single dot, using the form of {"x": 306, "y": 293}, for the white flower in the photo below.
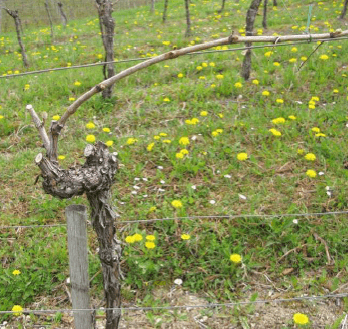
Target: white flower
{"x": 227, "y": 176}
{"x": 194, "y": 187}
{"x": 134, "y": 192}
{"x": 136, "y": 178}
{"x": 145, "y": 179}
{"x": 321, "y": 173}
{"x": 241, "y": 196}
{"x": 162, "y": 181}
{"x": 194, "y": 137}
{"x": 327, "y": 188}
{"x": 178, "y": 282}
{"x": 68, "y": 280}
{"x": 212, "y": 201}
{"x": 136, "y": 187}
{"x": 159, "y": 167}
{"x": 295, "y": 221}
{"x": 161, "y": 190}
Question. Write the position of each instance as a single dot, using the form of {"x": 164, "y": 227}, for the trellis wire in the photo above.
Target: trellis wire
{"x": 146, "y": 58}
{"x": 173, "y": 307}
{"x": 229, "y": 217}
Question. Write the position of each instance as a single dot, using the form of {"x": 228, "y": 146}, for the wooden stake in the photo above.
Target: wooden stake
{"x": 76, "y": 216}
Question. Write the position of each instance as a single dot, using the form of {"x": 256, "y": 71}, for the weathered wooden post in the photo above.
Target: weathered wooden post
{"x": 164, "y": 17}
{"x": 49, "y": 18}
{"x": 188, "y": 19}
{"x": 76, "y": 216}
{"x": 62, "y": 14}
{"x": 264, "y": 19}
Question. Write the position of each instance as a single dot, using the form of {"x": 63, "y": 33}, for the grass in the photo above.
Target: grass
{"x": 156, "y": 106}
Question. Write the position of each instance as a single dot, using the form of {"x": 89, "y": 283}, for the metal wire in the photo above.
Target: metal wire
{"x": 210, "y": 305}
{"x": 229, "y": 217}
{"x": 146, "y": 58}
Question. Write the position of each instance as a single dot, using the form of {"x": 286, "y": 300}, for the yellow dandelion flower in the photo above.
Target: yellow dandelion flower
{"x": 130, "y": 239}
{"x": 266, "y": 93}
{"x": 212, "y": 64}
{"x": 311, "y": 173}
{"x": 90, "y": 138}
{"x": 255, "y": 82}
{"x": 292, "y": 60}
{"x": 184, "y": 151}
{"x": 219, "y": 76}
{"x": 303, "y": 58}
{"x": 131, "y": 141}
{"x": 278, "y": 120}
{"x": 214, "y": 133}
{"x": 137, "y": 237}
{"x": 180, "y": 75}
{"x": 238, "y": 85}
{"x": 316, "y": 129}
{"x": 77, "y": 83}
{"x": 166, "y": 43}
{"x": 61, "y": 157}
{"x": 294, "y": 50}
{"x": 268, "y": 53}
{"x": 275, "y": 132}
{"x": 100, "y": 56}
{"x": 109, "y": 143}
{"x": 56, "y": 117}
{"x": 163, "y": 134}
{"x": 150, "y": 146}
{"x": 152, "y": 209}
{"x": 16, "y": 272}
{"x": 71, "y": 99}
{"x": 150, "y": 237}
{"x": 156, "y": 137}
{"x": 320, "y": 135}
{"x": 176, "y": 204}
{"x": 300, "y": 318}
{"x": 324, "y": 57}
{"x": 185, "y": 236}
{"x": 276, "y": 64}
{"x": 90, "y": 125}
{"x": 300, "y": 151}
{"x": 242, "y": 156}
{"x": 166, "y": 141}
{"x": 220, "y": 115}
{"x": 235, "y": 258}
{"x": 310, "y": 157}
{"x": 17, "y": 309}
{"x": 291, "y": 117}
{"x": 106, "y": 130}
{"x": 26, "y": 87}
{"x": 204, "y": 113}
{"x": 279, "y": 101}
{"x": 184, "y": 141}
{"x": 150, "y": 245}
{"x": 315, "y": 98}
{"x": 179, "y": 155}
{"x": 199, "y": 68}
{"x": 166, "y": 99}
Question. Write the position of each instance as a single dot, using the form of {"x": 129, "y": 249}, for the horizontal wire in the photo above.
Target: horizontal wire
{"x": 148, "y": 308}
{"x": 146, "y": 58}
{"x": 195, "y": 217}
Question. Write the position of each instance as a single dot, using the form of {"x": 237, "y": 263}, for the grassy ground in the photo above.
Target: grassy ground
{"x": 178, "y": 128}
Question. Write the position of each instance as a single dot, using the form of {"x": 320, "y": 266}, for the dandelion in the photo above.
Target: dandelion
{"x": 166, "y": 99}
{"x": 26, "y": 87}
{"x": 137, "y": 237}
{"x": 311, "y": 173}
{"x": 150, "y": 146}
{"x": 336, "y": 91}
{"x": 202, "y": 77}
{"x": 300, "y": 151}
{"x": 152, "y": 209}
{"x": 106, "y": 130}
{"x": 166, "y": 141}
{"x": 276, "y": 64}
{"x": 213, "y": 85}
{"x": 90, "y": 138}
{"x": 235, "y": 258}
{"x": 17, "y": 309}
{"x": 220, "y": 115}
{"x": 242, "y": 156}
{"x": 166, "y": 43}
{"x": 90, "y": 125}
{"x": 266, "y": 93}
{"x": 109, "y": 143}
{"x": 316, "y": 129}
{"x": 77, "y": 83}
{"x": 278, "y": 120}
{"x": 303, "y": 58}
{"x": 204, "y": 64}
{"x": 150, "y": 237}
{"x": 311, "y": 106}
{"x": 275, "y": 132}
{"x": 71, "y": 99}
{"x": 320, "y": 135}
{"x": 324, "y": 57}
{"x": 184, "y": 141}
{"x": 16, "y": 272}
{"x": 310, "y": 157}
{"x": 199, "y": 68}
{"x": 56, "y": 117}
{"x": 279, "y": 101}
{"x": 315, "y": 98}
{"x": 294, "y": 50}
{"x": 185, "y": 236}
{"x": 255, "y": 82}
{"x": 131, "y": 141}
{"x": 219, "y": 76}
{"x": 238, "y": 85}
{"x": 212, "y": 64}
{"x": 180, "y": 75}
{"x": 150, "y": 245}
{"x": 176, "y": 204}
{"x": 291, "y": 117}
{"x": 130, "y": 239}
{"x": 100, "y": 56}
{"x": 156, "y": 137}
{"x": 300, "y": 318}
{"x": 214, "y": 133}
{"x": 184, "y": 151}
{"x": 219, "y": 130}
{"x": 268, "y": 53}
{"x": 204, "y": 113}
{"x": 61, "y": 157}
{"x": 179, "y": 155}
{"x": 163, "y": 134}
{"x": 292, "y": 60}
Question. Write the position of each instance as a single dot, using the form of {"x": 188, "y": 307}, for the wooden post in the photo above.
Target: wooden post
{"x": 76, "y": 216}
{"x": 165, "y": 11}
{"x": 188, "y": 19}
{"x": 49, "y": 18}
{"x": 264, "y": 20}
{"x": 62, "y": 14}
{"x": 344, "y": 10}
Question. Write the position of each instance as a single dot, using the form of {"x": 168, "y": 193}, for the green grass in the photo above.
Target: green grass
{"x": 209, "y": 180}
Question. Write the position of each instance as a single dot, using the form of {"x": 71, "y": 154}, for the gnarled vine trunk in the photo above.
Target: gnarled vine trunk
{"x": 94, "y": 178}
